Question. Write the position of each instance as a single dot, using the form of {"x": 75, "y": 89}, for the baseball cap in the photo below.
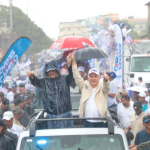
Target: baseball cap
{"x": 17, "y": 110}
{"x": 146, "y": 119}
{"x": 82, "y": 69}
{"x": 64, "y": 63}
{"x": 137, "y": 104}
{"x": 94, "y": 70}
{"x": 8, "y": 115}
{"x": 5, "y": 101}
{"x": 112, "y": 74}
{"x": 122, "y": 24}
{"x": 142, "y": 94}
{"x": 21, "y": 85}
{"x": 14, "y": 86}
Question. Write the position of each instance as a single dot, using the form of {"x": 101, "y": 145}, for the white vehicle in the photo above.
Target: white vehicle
{"x": 40, "y": 138}
{"x": 140, "y": 67}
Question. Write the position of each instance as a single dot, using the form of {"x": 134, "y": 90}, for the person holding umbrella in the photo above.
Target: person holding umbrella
{"x": 56, "y": 90}
{"x": 93, "y": 102}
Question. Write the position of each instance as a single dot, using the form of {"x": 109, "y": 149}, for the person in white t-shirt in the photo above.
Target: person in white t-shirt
{"x": 111, "y": 101}
{"x": 125, "y": 110}
{"x": 141, "y": 83}
{"x": 11, "y": 127}
{"x": 10, "y": 95}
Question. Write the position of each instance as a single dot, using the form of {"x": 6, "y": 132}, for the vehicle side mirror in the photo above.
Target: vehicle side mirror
{"x": 128, "y": 59}
{"x": 132, "y": 75}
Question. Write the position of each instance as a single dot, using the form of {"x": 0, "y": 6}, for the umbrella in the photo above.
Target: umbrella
{"x": 137, "y": 89}
{"x": 85, "y": 54}
{"x": 71, "y": 43}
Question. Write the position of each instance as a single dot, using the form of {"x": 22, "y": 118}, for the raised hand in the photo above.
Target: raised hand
{"x": 69, "y": 59}
{"x": 30, "y": 74}
{"x": 106, "y": 77}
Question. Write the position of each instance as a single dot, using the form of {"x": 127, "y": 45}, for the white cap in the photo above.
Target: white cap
{"x": 82, "y": 69}
{"x": 94, "y": 70}
{"x": 8, "y": 115}
{"x": 142, "y": 94}
{"x": 64, "y": 63}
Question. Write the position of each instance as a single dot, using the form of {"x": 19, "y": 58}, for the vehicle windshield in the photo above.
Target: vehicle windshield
{"x": 140, "y": 64}
{"x": 74, "y": 142}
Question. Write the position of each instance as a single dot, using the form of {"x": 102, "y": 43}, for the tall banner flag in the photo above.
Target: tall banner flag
{"x": 118, "y": 63}
{"x": 12, "y": 56}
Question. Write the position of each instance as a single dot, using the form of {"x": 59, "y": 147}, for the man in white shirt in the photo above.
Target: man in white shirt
{"x": 125, "y": 110}
{"x": 141, "y": 83}
{"x": 10, "y": 95}
{"x": 11, "y": 127}
{"x": 113, "y": 90}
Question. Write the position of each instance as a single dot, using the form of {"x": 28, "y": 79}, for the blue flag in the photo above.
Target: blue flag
{"x": 12, "y": 56}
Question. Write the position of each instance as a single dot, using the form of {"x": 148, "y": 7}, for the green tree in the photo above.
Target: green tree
{"x": 23, "y": 26}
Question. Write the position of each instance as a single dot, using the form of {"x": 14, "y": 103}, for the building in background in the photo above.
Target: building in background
{"x": 85, "y": 27}
{"x": 139, "y": 24}
{"x": 70, "y": 28}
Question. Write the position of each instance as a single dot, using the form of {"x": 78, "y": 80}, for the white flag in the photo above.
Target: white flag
{"x": 117, "y": 68}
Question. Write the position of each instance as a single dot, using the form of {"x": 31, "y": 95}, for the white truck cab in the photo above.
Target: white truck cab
{"x": 140, "y": 67}
{"x": 77, "y": 138}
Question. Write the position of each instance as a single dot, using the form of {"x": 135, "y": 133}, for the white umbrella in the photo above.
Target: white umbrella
{"x": 137, "y": 89}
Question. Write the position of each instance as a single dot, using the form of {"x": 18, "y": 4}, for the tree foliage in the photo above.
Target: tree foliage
{"x": 135, "y": 34}
{"x": 23, "y": 26}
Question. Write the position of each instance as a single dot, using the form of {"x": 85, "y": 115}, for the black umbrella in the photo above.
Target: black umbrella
{"x": 86, "y": 54}
{"x": 89, "y": 53}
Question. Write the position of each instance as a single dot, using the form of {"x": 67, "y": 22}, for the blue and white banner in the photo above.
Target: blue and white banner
{"x": 118, "y": 66}
{"x": 12, "y": 56}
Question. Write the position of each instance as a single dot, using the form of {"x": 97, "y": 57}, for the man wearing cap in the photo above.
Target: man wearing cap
{"x": 56, "y": 88}
{"x": 144, "y": 135}
{"x": 64, "y": 70}
{"x": 6, "y": 143}
{"x": 17, "y": 112}
{"x": 4, "y": 107}
{"x": 93, "y": 102}
{"x": 136, "y": 122}
{"x": 25, "y": 117}
{"x": 81, "y": 71}
{"x": 111, "y": 102}
{"x": 142, "y": 97}
{"x": 8, "y": 119}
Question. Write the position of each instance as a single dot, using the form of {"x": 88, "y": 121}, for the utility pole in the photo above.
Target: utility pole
{"x": 11, "y": 18}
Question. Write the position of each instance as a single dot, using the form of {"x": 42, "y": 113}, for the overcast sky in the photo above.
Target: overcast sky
{"x": 48, "y": 13}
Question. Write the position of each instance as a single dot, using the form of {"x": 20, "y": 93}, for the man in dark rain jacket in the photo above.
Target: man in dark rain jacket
{"x": 6, "y": 143}
{"x": 56, "y": 88}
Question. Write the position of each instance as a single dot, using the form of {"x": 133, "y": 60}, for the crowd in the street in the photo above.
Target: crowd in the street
{"x": 19, "y": 98}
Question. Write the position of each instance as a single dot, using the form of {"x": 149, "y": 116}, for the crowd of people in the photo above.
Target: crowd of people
{"x": 98, "y": 90}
